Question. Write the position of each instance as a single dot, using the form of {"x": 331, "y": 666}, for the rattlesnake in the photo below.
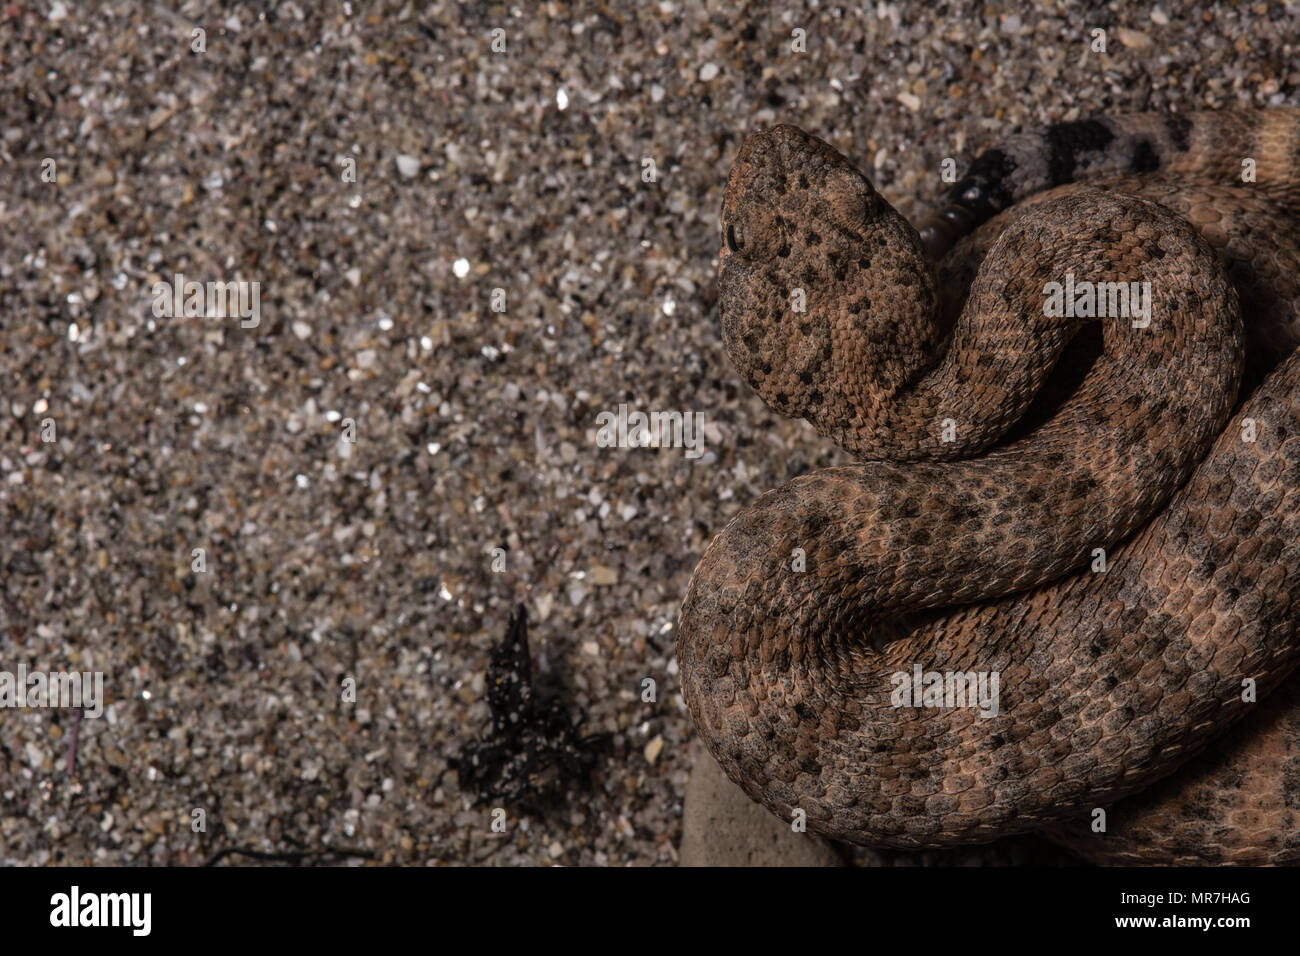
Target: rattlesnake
{"x": 1109, "y": 534}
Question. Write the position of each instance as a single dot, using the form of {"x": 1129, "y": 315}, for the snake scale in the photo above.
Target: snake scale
{"x": 1095, "y": 514}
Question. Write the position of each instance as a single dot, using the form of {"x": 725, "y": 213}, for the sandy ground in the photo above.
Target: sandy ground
{"x": 529, "y": 240}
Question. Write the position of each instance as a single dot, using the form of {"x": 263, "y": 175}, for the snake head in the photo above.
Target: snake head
{"x": 825, "y": 293}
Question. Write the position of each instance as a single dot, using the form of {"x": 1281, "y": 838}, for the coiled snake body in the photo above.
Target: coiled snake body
{"x": 1109, "y": 534}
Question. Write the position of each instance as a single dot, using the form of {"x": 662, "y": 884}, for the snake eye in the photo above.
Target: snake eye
{"x": 732, "y": 244}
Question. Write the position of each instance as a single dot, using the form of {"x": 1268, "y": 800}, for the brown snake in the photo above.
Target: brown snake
{"x": 1074, "y": 506}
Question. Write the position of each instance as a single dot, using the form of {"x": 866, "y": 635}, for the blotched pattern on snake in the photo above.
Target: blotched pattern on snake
{"x": 1075, "y": 401}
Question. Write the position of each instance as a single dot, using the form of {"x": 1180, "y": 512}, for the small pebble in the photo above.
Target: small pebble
{"x": 408, "y": 166}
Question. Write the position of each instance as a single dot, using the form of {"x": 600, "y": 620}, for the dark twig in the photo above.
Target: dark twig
{"x": 533, "y": 751}
{"x": 288, "y": 856}
{"x": 72, "y": 744}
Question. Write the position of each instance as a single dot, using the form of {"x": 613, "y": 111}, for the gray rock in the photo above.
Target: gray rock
{"x": 721, "y": 826}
